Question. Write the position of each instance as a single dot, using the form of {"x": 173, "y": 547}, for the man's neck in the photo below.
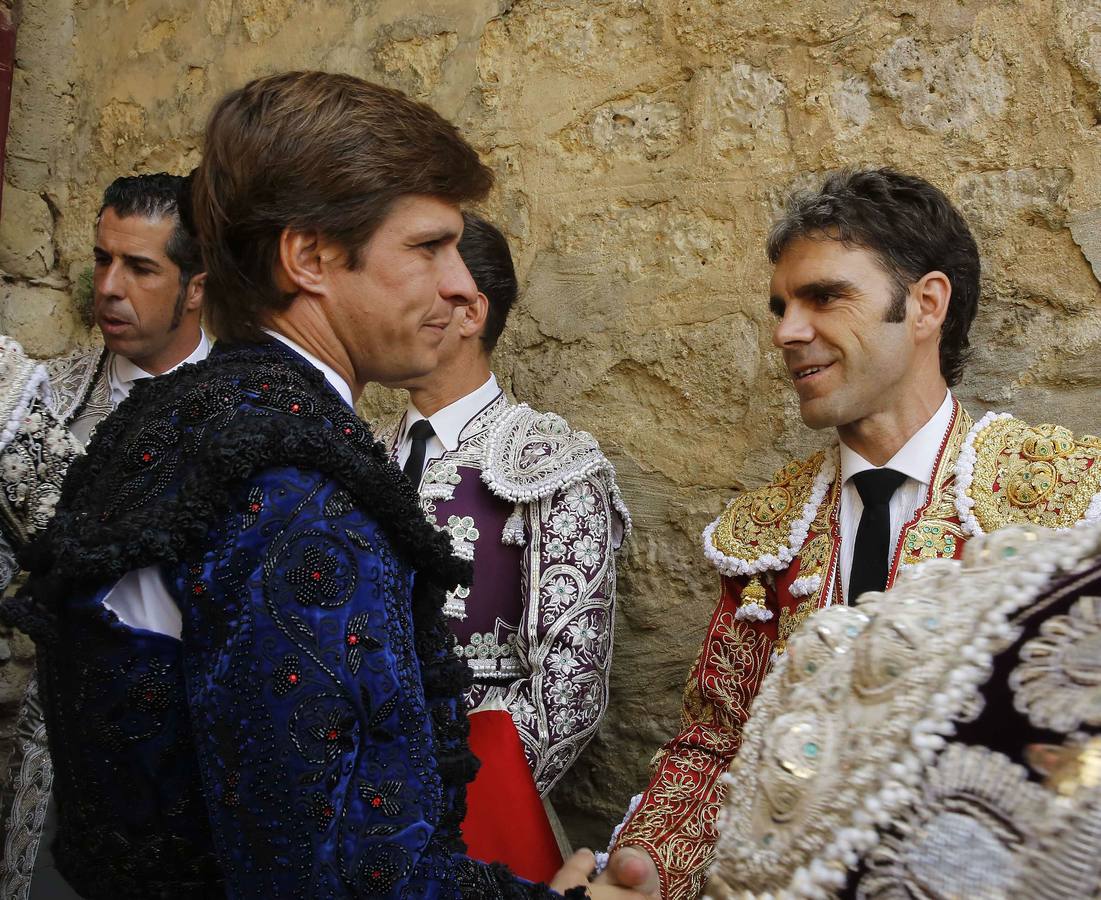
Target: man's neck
{"x": 317, "y": 340}
{"x": 880, "y": 436}
{"x": 167, "y": 362}
{"x": 441, "y": 389}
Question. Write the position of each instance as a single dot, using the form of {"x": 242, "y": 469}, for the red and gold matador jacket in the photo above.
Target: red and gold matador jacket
{"x": 777, "y": 551}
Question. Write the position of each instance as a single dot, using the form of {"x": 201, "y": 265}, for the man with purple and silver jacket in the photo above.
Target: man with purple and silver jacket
{"x": 535, "y": 506}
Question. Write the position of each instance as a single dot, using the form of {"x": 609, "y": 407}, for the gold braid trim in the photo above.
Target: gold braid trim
{"x": 755, "y": 530}
{"x": 1034, "y": 474}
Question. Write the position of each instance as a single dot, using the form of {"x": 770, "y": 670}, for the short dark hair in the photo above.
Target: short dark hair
{"x": 487, "y": 256}
{"x": 312, "y": 150}
{"x": 911, "y": 226}
{"x": 157, "y": 196}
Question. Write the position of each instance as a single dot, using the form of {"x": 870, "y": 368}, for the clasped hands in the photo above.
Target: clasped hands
{"x": 631, "y": 875}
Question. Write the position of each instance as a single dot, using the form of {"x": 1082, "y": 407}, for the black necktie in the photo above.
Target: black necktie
{"x": 872, "y": 552}
{"x": 419, "y": 432}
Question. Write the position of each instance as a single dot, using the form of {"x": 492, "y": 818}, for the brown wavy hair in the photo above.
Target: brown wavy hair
{"x": 312, "y": 150}
{"x": 911, "y": 226}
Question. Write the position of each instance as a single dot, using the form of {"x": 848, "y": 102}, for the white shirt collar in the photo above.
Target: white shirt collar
{"x": 122, "y": 372}
{"x": 448, "y": 423}
{"x": 337, "y": 383}
{"x": 916, "y": 457}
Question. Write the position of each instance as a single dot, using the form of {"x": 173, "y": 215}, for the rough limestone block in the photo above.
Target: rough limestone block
{"x": 41, "y": 319}
{"x": 1085, "y": 228}
{"x": 26, "y": 234}
{"x": 641, "y": 126}
{"x": 946, "y": 88}
{"x": 743, "y": 108}
{"x": 1079, "y": 32}
{"x": 991, "y": 200}
{"x": 417, "y": 63}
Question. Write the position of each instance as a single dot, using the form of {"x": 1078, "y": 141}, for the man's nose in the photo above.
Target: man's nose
{"x": 109, "y": 282}
{"x": 793, "y": 327}
{"x": 456, "y": 284}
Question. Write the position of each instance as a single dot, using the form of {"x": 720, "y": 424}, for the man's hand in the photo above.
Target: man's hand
{"x": 575, "y": 872}
{"x": 632, "y": 869}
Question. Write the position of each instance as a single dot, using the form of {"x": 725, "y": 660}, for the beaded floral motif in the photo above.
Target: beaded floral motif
{"x": 463, "y": 535}
{"x": 1009, "y": 471}
{"x": 962, "y": 838}
{"x": 1058, "y": 681}
{"x": 531, "y": 455}
{"x": 859, "y": 707}
{"x": 763, "y": 530}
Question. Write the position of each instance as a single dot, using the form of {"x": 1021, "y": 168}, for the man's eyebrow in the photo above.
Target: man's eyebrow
{"x": 135, "y": 260}
{"x": 434, "y": 234}
{"x": 835, "y": 286}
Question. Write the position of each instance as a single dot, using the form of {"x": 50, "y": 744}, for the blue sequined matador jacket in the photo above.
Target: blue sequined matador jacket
{"x": 304, "y": 737}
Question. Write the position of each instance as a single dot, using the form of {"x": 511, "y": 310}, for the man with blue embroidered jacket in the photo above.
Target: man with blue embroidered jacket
{"x": 534, "y": 505}
{"x": 874, "y": 288}
{"x": 248, "y": 681}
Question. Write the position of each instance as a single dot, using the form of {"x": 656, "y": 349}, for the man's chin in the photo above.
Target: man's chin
{"x": 818, "y": 414}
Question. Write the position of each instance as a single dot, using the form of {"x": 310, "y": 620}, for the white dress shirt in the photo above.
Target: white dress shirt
{"x": 122, "y": 373}
{"x": 140, "y": 598}
{"x": 915, "y": 460}
{"x": 447, "y": 423}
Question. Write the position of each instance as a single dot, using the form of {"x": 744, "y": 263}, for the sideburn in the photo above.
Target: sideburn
{"x": 181, "y": 299}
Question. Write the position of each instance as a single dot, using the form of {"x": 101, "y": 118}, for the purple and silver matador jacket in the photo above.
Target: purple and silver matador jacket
{"x": 535, "y": 506}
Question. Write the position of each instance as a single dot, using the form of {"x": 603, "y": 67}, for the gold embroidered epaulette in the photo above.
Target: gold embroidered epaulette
{"x": 1013, "y": 473}
{"x": 763, "y": 530}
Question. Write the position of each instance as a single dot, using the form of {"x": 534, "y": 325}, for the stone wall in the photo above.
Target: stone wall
{"x": 642, "y": 149}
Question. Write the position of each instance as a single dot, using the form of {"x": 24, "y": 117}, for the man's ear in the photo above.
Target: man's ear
{"x": 932, "y": 293}
{"x": 302, "y": 260}
{"x": 195, "y": 288}
{"x": 474, "y": 316}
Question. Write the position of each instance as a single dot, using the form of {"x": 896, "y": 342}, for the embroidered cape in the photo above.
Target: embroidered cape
{"x": 777, "y": 551}
{"x": 942, "y": 740}
{"x": 305, "y": 735}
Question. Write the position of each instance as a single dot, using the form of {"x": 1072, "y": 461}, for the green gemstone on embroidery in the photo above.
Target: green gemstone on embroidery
{"x": 810, "y": 750}
{"x": 767, "y": 839}
{"x": 1008, "y": 552}
{"x": 852, "y": 631}
{"x": 931, "y": 623}
{"x": 810, "y": 668}
{"x": 893, "y": 670}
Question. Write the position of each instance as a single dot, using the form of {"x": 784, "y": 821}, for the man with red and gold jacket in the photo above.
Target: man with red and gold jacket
{"x": 875, "y": 286}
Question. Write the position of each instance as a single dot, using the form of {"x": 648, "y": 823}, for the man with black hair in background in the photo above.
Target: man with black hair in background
{"x": 147, "y": 302}
{"x": 534, "y": 505}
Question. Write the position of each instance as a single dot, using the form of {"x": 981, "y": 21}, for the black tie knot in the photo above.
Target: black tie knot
{"x": 421, "y": 430}
{"x": 419, "y": 433}
{"x": 877, "y": 486}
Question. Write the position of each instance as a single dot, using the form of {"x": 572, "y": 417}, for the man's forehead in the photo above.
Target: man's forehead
{"x": 813, "y": 259}
{"x": 134, "y": 232}
{"x": 420, "y": 212}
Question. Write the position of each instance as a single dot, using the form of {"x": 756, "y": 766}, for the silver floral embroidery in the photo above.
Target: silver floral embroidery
{"x": 563, "y": 494}
{"x": 1058, "y": 681}
{"x": 963, "y": 836}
